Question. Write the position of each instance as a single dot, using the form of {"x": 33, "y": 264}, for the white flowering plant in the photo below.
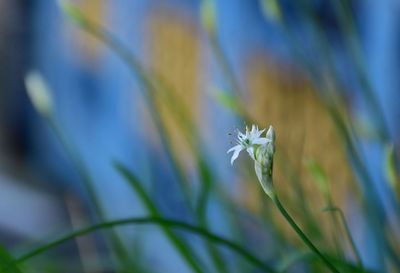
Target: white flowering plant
{"x": 263, "y": 247}
{"x": 261, "y": 151}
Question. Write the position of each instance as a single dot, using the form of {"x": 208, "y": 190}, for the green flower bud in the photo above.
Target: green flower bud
{"x": 271, "y": 137}
{"x": 263, "y": 163}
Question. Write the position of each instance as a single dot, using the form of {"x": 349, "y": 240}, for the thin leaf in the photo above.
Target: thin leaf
{"x": 271, "y": 10}
{"x": 152, "y": 83}
{"x": 208, "y": 15}
{"x": 293, "y": 258}
{"x": 348, "y": 234}
{"x": 390, "y": 169}
{"x": 183, "y": 249}
{"x": 7, "y": 264}
{"x": 319, "y": 176}
{"x": 162, "y": 222}
{"x": 226, "y": 99}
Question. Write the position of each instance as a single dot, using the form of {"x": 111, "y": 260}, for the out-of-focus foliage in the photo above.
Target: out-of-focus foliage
{"x": 313, "y": 92}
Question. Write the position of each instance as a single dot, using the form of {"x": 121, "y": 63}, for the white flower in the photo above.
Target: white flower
{"x": 261, "y": 150}
{"x": 248, "y": 141}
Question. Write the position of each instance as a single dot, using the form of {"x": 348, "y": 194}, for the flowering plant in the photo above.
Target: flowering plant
{"x": 261, "y": 151}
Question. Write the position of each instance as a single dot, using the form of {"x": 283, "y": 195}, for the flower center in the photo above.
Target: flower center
{"x": 246, "y": 142}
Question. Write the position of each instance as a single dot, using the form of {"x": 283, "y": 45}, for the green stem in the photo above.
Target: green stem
{"x": 227, "y": 69}
{"x": 154, "y": 84}
{"x": 155, "y": 221}
{"x": 301, "y": 234}
{"x": 179, "y": 244}
{"x": 348, "y": 234}
{"x": 88, "y": 183}
{"x": 147, "y": 83}
{"x": 229, "y": 74}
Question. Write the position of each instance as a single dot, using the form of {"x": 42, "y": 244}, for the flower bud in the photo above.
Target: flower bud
{"x": 72, "y": 11}
{"x": 271, "y": 136}
{"x": 271, "y": 10}
{"x": 38, "y": 93}
{"x": 208, "y": 16}
{"x": 263, "y": 166}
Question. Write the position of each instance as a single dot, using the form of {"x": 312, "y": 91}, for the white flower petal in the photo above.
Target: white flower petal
{"x": 252, "y": 142}
{"x": 235, "y": 155}
{"x": 234, "y": 148}
{"x": 258, "y": 134}
{"x": 261, "y": 141}
{"x": 250, "y": 150}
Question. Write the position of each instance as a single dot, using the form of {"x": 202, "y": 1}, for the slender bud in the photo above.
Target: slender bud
{"x": 38, "y": 92}
{"x": 208, "y": 16}
{"x": 271, "y": 10}
{"x": 72, "y": 11}
{"x": 263, "y": 163}
{"x": 271, "y": 136}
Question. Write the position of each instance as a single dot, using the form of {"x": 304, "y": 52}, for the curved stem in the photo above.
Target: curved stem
{"x": 155, "y": 221}
{"x": 301, "y": 234}
{"x": 348, "y": 234}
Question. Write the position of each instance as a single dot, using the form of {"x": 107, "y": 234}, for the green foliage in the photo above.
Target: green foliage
{"x": 319, "y": 175}
{"x": 72, "y": 11}
{"x": 208, "y": 15}
{"x": 163, "y": 223}
{"x": 390, "y": 168}
{"x": 227, "y": 100}
{"x": 181, "y": 246}
{"x": 271, "y": 9}
{"x": 7, "y": 264}
{"x": 155, "y": 88}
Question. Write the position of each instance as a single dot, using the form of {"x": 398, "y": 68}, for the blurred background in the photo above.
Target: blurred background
{"x": 162, "y": 86}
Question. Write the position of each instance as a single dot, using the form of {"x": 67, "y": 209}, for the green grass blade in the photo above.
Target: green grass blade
{"x": 201, "y": 210}
{"x": 390, "y": 170}
{"x": 41, "y": 98}
{"x": 145, "y": 79}
{"x": 227, "y": 100}
{"x": 322, "y": 182}
{"x": 154, "y": 84}
{"x": 271, "y": 10}
{"x": 7, "y": 264}
{"x": 74, "y": 156}
{"x": 183, "y": 249}
{"x": 165, "y": 223}
{"x": 303, "y": 236}
{"x": 292, "y": 259}
{"x": 307, "y": 256}
{"x": 348, "y": 233}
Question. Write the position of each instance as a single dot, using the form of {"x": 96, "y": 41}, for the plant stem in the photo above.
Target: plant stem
{"x": 238, "y": 249}
{"x": 89, "y": 185}
{"x": 301, "y": 234}
{"x": 155, "y": 85}
{"x": 187, "y": 254}
{"x": 352, "y": 243}
{"x": 348, "y": 234}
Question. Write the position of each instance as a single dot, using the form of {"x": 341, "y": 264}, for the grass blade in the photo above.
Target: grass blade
{"x": 7, "y": 264}
{"x": 152, "y": 83}
{"x": 183, "y": 249}
{"x": 165, "y": 223}
{"x": 348, "y": 234}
